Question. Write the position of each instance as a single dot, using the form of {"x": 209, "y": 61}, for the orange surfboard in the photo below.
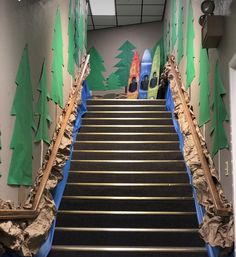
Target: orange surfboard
{"x": 134, "y": 75}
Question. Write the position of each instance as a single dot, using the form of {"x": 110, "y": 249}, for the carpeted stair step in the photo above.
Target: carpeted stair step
{"x": 129, "y": 176}
{"x": 125, "y": 102}
{"x": 127, "y": 236}
{"x": 110, "y": 203}
{"x": 126, "y": 107}
{"x": 126, "y": 219}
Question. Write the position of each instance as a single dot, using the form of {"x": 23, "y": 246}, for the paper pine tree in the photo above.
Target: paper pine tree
{"x": 20, "y": 171}
{"x": 126, "y": 56}
{"x": 57, "y": 65}
{"x": 204, "y": 114}
{"x": 81, "y": 28}
{"x": 113, "y": 82}
{"x": 220, "y": 114}
{"x": 42, "y": 109}
{"x": 173, "y": 22}
{"x": 180, "y": 51}
{"x": 77, "y": 33}
{"x": 168, "y": 39}
{"x": 190, "y": 70}
{"x": 96, "y": 80}
{"x": 165, "y": 39}
{"x": 71, "y": 41}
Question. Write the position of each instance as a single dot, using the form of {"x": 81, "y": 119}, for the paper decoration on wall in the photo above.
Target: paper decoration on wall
{"x": 160, "y": 44}
{"x": 126, "y": 55}
{"x": 168, "y": 39}
{"x": 20, "y": 171}
{"x": 220, "y": 114}
{"x": 96, "y": 80}
{"x": 71, "y": 40}
{"x": 85, "y": 25}
{"x": 154, "y": 77}
{"x": 42, "y": 109}
{"x": 134, "y": 76}
{"x": 82, "y": 28}
{"x": 204, "y": 112}
{"x": 146, "y": 66}
{"x": 173, "y": 22}
{"x": 77, "y": 32}
{"x": 180, "y": 50}
{"x": 113, "y": 82}
{"x": 190, "y": 68}
{"x": 57, "y": 73}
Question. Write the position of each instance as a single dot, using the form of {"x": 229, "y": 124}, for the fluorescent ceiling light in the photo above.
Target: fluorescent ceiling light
{"x": 102, "y": 7}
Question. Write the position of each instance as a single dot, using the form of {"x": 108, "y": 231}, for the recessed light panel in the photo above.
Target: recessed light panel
{"x": 102, "y": 7}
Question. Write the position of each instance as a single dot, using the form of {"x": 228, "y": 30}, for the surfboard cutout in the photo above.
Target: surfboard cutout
{"x": 134, "y": 77}
{"x": 146, "y": 66}
{"x": 154, "y": 76}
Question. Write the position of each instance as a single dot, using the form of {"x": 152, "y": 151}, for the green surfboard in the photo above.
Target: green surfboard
{"x": 154, "y": 76}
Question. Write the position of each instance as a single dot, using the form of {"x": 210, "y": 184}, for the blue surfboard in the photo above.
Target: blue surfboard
{"x": 146, "y": 67}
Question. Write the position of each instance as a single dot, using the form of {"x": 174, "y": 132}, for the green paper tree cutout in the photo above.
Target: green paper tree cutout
{"x": 57, "y": 65}
{"x": 160, "y": 43}
{"x": 96, "y": 80}
{"x": 190, "y": 68}
{"x": 204, "y": 113}
{"x": 42, "y": 109}
{"x": 85, "y": 26}
{"x": 180, "y": 51}
{"x": 81, "y": 29}
{"x": 173, "y": 22}
{"x": 77, "y": 33}
{"x": 168, "y": 39}
{"x": 20, "y": 171}
{"x": 220, "y": 114}
{"x": 126, "y": 56}
{"x": 71, "y": 41}
{"x": 113, "y": 82}
{"x": 165, "y": 39}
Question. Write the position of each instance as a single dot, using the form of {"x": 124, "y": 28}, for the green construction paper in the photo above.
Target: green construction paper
{"x": 168, "y": 39}
{"x": 220, "y": 114}
{"x": 113, "y": 82}
{"x": 204, "y": 113}
{"x": 81, "y": 27}
{"x": 173, "y": 22}
{"x": 96, "y": 80}
{"x": 180, "y": 50}
{"x": 20, "y": 171}
{"x": 164, "y": 39}
{"x": 126, "y": 56}
{"x": 71, "y": 41}
{"x": 160, "y": 44}
{"x": 77, "y": 33}
{"x": 58, "y": 62}
{"x": 190, "y": 67}
{"x": 85, "y": 25}
{"x": 42, "y": 109}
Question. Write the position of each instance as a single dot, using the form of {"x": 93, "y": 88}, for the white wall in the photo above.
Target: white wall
{"x": 24, "y": 22}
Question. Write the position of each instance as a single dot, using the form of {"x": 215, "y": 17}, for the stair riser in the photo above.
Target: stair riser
{"x": 126, "y": 122}
{"x": 125, "y": 254}
{"x": 117, "y": 137}
{"x": 140, "y": 115}
{"x": 129, "y": 190}
{"x": 129, "y": 129}
{"x": 127, "y": 156}
{"x": 122, "y": 108}
{"x": 127, "y": 220}
{"x": 126, "y": 146}
{"x": 127, "y": 238}
{"x": 129, "y": 166}
{"x": 131, "y": 205}
{"x": 124, "y": 102}
{"x": 129, "y": 178}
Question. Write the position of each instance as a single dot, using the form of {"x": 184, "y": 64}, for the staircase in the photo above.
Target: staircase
{"x": 128, "y": 193}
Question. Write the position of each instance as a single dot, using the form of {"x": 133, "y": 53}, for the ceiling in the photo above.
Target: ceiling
{"x": 129, "y": 12}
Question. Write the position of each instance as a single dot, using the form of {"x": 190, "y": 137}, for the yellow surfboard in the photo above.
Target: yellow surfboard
{"x": 154, "y": 76}
{"x": 134, "y": 77}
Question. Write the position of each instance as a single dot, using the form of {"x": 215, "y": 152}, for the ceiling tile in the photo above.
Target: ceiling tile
{"x": 153, "y": 10}
{"x": 128, "y": 1}
{"x": 128, "y": 9}
{"x": 154, "y": 2}
{"x": 128, "y": 20}
{"x": 104, "y": 20}
{"x": 89, "y": 20}
{"x": 151, "y": 18}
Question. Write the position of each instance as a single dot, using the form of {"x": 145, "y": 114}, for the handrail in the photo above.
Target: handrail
{"x": 14, "y": 214}
{"x": 220, "y": 209}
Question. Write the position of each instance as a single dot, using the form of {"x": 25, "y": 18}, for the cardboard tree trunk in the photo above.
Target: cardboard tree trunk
{"x": 42, "y": 109}
{"x": 58, "y": 62}
{"x": 20, "y": 171}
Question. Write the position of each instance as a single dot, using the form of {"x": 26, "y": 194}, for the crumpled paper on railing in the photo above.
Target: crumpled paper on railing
{"x": 215, "y": 230}
{"x": 28, "y": 236}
